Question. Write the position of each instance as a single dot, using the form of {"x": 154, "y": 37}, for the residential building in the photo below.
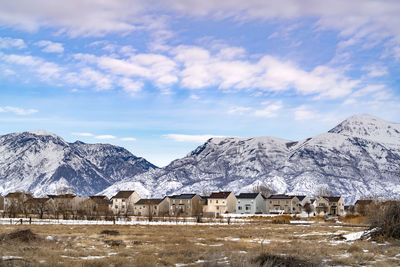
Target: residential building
{"x": 303, "y": 200}
{"x": 329, "y": 205}
{"x": 97, "y": 205}
{"x": 250, "y": 203}
{"x": 66, "y": 204}
{"x": 186, "y": 205}
{"x": 220, "y": 203}
{"x": 151, "y": 207}
{"x": 283, "y": 204}
{"x": 123, "y": 201}
{"x": 1, "y": 203}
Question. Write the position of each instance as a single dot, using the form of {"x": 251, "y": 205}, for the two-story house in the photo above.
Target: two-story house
{"x": 220, "y": 203}
{"x": 250, "y": 203}
{"x": 123, "y": 202}
{"x": 151, "y": 207}
{"x": 329, "y": 205}
{"x": 186, "y": 205}
{"x": 283, "y": 204}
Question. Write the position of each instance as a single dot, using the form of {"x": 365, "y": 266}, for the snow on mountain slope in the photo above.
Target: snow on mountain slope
{"x": 43, "y": 163}
{"x": 359, "y": 157}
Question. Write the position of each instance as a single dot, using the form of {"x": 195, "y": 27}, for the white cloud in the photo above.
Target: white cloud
{"x": 105, "y": 137}
{"x": 303, "y": 112}
{"x": 83, "y": 134}
{"x": 190, "y": 138}
{"x": 128, "y": 139}
{"x": 6, "y": 43}
{"x": 269, "y": 111}
{"x": 239, "y": 110}
{"x": 51, "y": 47}
{"x": 131, "y": 87}
{"x": 376, "y": 71}
{"x": 17, "y": 110}
{"x": 201, "y": 69}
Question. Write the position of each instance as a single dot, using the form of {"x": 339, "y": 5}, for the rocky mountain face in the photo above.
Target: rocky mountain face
{"x": 359, "y": 157}
{"x": 44, "y": 163}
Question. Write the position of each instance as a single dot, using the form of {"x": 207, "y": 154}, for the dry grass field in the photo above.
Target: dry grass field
{"x": 319, "y": 244}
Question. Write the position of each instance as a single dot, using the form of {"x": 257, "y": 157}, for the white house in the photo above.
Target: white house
{"x": 250, "y": 203}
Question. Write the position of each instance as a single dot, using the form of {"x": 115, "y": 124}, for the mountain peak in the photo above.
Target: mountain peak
{"x": 369, "y": 127}
{"x": 43, "y": 133}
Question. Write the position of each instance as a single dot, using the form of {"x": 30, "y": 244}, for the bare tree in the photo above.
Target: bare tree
{"x": 264, "y": 189}
{"x": 308, "y": 208}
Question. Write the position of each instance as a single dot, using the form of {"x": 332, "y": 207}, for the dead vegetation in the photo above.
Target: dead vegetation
{"x": 218, "y": 245}
{"x": 385, "y": 220}
{"x": 19, "y": 236}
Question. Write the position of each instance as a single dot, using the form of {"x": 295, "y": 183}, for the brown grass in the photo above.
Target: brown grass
{"x": 237, "y": 245}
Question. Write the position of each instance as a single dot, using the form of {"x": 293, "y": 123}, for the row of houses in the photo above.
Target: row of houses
{"x": 130, "y": 203}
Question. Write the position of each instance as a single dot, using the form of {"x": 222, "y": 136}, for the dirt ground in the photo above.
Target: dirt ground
{"x": 319, "y": 244}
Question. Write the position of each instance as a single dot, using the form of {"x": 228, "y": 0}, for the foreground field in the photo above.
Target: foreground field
{"x": 178, "y": 245}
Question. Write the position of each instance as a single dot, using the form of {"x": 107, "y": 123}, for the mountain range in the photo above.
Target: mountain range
{"x": 360, "y": 157}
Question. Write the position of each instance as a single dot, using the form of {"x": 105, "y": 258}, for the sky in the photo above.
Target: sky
{"x": 161, "y": 77}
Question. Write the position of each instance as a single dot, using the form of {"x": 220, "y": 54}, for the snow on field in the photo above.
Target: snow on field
{"x": 353, "y": 236}
{"x": 11, "y": 258}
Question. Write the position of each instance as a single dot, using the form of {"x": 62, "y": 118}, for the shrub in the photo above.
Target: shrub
{"x": 268, "y": 260}
{"x": 385, "y": 220}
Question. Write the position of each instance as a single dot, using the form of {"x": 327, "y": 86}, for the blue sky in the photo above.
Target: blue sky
{"x": 161, "y": 77}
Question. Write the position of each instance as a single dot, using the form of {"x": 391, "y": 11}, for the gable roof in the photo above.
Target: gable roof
{"x": 219, "y": 195}
{"x": 281, "y": 196}
{"x": 98, "y": 197}
{"x": 247, "y": 195}
{"x": 183, "y": 196}
{"x": 123, "y": 194}
{"x": 301, "y": 197}
{"x": 18, "y": 194}
{"x": 150, "y": 201}
{"x": 332, "y": 199}
{"x": 37, "y": 200}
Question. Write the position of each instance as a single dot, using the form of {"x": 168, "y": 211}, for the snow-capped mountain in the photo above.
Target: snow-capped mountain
{"x": 43, "y": 163}
{"x": 359, "y": 157}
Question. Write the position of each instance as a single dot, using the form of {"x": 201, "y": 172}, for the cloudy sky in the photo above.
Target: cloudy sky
{"x": 161, "y": 77}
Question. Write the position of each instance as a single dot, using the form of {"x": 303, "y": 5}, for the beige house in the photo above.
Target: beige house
{"x": 329, "y": 205}
{"x": 123, "y": 201}
{"x": 283, "y": 204}
{"x": 40, "y": 206}
{"x": 96, "y": 206}
{"x": 1, "y": 203}
{"x": 66, "y": 204}
{"x": 220, "y": 203}
{"x": 151, "y": 207}
{"x": 186, "y": 205}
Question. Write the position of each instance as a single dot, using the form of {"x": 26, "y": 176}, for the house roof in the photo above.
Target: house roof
{"x": 219, "y": 195}
{"x": 100, "y": 201}
{"x": 281, "y": 196}
{"x": 123, "y": 194}
{"x": 183, "y": 196}
{"x": 363, "y": 202}
{"x": 98, "y": 197}
{"x": 332, "y": 199}
{"x": 65, "y": 196}
{"x": 18, "y": 194}
{"x": 151, "y": 201}
{"x": 301, "y": 197}
{"x": 247, "y": 195}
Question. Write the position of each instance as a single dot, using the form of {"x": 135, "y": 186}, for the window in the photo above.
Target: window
{"x": 123, "y": 200}
{"x": 188, "y": 201}
{"x": 123, "y": 206}
{"x": 116, "y": 206}
{"x": 223, "y": 201}
{"x": 216, "y": 201}
{"x": 247, "y": 207}
{"x": 240, "y": 208}
{"x": 279, "y": 202}
{"x": 287, "y": 201}
{"x": 217, "y": 207}
{"x": 270, "y": 202}
{"x": 238, "y": 201}
{"x": 173, "y": 201}
{"x": 180, "y": 201}
{"x": 210, "y": 201}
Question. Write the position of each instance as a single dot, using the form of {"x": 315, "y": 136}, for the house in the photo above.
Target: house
{"x": 220, "y": 203}
{"x": 283, "y": 204}
{"x": 185, "y": 205}
{"x": 123, "y": 201}
{"x": 66, "y": 204}
{"x": 40, "y": 206}
{"x": 329, "y": 205}
{"x": 250, "y": 203}
{"x": 151, "y": 207}
{"x": 361, "y": 206}
{"x": 96, "y": 205}
{"x": 14, "y": 202}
